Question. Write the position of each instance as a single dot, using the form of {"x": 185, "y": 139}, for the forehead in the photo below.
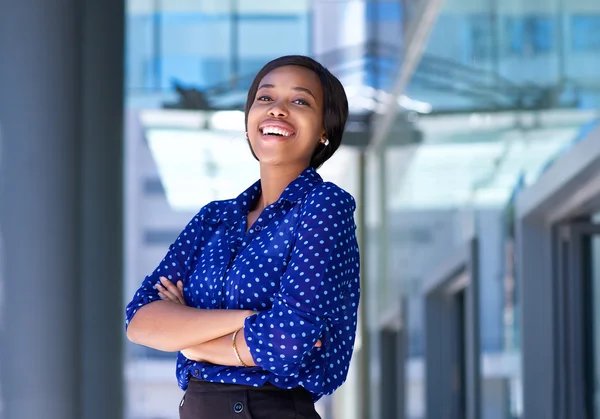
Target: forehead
{"x": 291, "y": 76}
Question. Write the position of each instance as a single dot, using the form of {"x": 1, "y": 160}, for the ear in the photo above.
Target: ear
{"x": 323, "y": 137}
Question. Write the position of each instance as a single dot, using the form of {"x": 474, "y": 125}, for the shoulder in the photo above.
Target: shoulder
{"x": 329, "y": 195}
{"x": 213, "y": 211}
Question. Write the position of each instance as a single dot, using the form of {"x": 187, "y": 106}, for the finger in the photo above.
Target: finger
{"x": 170, "y": 286}
{"x": 180, "y": 288}
{"x": 167, "y": 294}
{"x": 177, "y": 290}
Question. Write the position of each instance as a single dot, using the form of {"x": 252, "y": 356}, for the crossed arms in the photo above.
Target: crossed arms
{"x": 201, "y": 335}
{"x": 323, "y": 261}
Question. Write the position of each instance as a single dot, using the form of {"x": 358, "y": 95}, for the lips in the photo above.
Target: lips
{"x": 276, "y": 129}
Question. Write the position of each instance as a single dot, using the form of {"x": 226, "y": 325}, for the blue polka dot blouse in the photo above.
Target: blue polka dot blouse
{"x": 297, "y": 267}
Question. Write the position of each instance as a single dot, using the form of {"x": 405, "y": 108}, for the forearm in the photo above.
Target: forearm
{"x": 171, "y": 327}
{"x": 220, "y": 351}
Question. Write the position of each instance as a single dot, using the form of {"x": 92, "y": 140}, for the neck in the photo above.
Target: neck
{"x": 273, "y": 180}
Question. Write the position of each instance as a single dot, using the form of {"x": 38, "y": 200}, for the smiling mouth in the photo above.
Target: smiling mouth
{"x": 276, "y": 131}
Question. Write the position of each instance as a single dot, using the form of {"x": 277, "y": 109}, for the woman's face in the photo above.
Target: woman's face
{"x": 285, "y": 122}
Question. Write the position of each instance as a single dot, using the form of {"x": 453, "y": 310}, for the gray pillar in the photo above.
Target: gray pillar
{"x": 102, "y": 208}
{"x": 472, "y": 342}
{"x": 60, "y": 209}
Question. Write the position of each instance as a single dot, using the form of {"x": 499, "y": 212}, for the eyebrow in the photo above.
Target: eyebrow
{"x": 297, "y": 89}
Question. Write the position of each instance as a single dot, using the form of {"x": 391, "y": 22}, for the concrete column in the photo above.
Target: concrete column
{"x": 60, "y": 209}
{"x": 101, "y": 165}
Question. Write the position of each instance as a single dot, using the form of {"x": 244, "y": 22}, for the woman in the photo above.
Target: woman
{"x": 259, "y": 294}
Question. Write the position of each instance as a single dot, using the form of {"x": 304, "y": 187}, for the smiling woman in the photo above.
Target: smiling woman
{"x": 297, "y": 90}
{"x": 259, "y": 294}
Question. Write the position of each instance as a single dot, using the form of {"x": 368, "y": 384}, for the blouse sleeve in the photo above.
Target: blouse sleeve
{"x": 323, "y": 264}
{"x": 174, "y": 266}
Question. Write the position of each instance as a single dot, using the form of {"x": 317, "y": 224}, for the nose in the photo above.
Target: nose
{"x": 278, "y": 110}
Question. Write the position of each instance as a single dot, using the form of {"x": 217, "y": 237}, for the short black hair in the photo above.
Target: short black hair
{"x": 335, "y": 103}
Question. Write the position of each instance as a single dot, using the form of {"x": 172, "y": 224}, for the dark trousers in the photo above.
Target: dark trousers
{"x": 204, "y": 400}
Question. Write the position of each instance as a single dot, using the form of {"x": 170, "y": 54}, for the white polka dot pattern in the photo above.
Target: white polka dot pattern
{"x": 297, "y": 266}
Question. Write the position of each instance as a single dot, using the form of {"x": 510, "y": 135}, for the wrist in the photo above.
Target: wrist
{"x": 235, "y": 348}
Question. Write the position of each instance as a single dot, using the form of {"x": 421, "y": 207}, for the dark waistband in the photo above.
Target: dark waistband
{"x": 209, "y": 387}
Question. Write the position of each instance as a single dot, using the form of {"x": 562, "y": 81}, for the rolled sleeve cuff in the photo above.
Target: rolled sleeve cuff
{"x": 280, "y": 338}
{"x": 142, "y": 298}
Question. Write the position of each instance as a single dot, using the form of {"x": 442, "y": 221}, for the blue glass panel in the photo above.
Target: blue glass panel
{"x": 196, "y": 48}
{"x": 139, "y": 68}
{"x": 530, "y": 34}
{"x": 272, "y": 37}
{"x": 480, "y": 38}
{"x": 387, "y": 11}
{"x": 585, "y": 33}
{"x": 185, "y": 69}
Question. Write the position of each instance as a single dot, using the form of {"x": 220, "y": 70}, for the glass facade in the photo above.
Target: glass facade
{"x": 520, "y": 54}
{"x": 460, "y": 180}
{"x": 209, "y": 44}
{"x": 507, "y": 98}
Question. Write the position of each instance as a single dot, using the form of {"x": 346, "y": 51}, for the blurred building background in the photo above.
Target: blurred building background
{"x": 473, "y": 150}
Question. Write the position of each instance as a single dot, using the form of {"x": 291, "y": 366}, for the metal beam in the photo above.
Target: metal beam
{"x": 415, "y": 45}
{"x": 568, "y": 186}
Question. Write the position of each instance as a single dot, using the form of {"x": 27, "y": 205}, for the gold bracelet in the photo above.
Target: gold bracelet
{"x": 235, "y": 350}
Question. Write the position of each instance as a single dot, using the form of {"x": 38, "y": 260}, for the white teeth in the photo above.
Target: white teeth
{"x": 275, "y": 130}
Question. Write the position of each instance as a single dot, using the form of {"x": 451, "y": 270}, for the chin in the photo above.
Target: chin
{"x": 272, "y": 161}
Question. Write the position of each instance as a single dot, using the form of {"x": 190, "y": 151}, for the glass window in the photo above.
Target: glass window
{"x": 209, "y": 43}
{"x": 530, "y": 35}
{"x": 459, "y": 179}
{"x": 586, "y": 33}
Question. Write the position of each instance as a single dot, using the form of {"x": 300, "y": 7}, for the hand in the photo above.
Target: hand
{"x": 169, "y": 292}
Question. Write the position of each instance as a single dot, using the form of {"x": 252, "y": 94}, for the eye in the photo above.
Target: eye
{"x": 301, "y": 102}
{"x": 263, "y": 98}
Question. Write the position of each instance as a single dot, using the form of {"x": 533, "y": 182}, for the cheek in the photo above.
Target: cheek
{"x": 313, "y": 127}
{"x": 252, "y": 116}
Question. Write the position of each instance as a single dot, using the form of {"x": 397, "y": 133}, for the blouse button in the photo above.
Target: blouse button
{"x": 258, "y": 228}
{"x": 238, "y": 407}
{"x": 196, "y": 373}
